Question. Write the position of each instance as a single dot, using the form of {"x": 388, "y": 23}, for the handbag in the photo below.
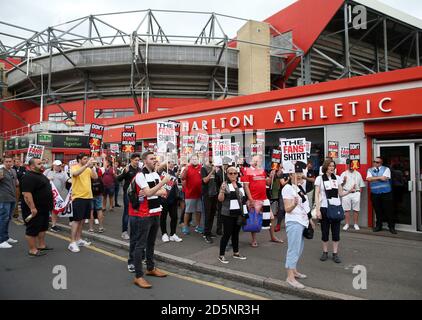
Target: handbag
{"x": 308, "y": 232}
{"x": 334, "y": 212}
{"x": 254, "y": 222}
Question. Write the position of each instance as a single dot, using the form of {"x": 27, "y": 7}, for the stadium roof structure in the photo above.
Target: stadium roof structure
{"x": 91, "y": 58}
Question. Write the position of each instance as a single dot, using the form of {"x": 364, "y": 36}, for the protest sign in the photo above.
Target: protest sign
{"x": 344, "y": 154}
{"x": 128, "y": 141}
{"x": 34, "y": 151}
{"x": 221, "y": 152}
{"x": 235, "y": 151}
{"x": 61, "y": 208}
{"x": 354, "y": 155}
{"x": 114, "y": 148}
{"x": 294, "y": 154}
{"x": 257, "y": 149}
{"x": 166, "y": 137}
{"x": 333, "y": 147}
{"x": 95, "y": 137}
{"x": 201, "y": 142}
{"x": 187, "y": 145}
{"x": 275, "y": 159}
{"x": 308, "y": 146}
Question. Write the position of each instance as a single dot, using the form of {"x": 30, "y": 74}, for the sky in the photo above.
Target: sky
{"x": 38, "y": 15}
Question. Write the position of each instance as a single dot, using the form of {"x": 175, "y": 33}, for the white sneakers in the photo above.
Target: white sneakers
{"x": 5, "y": 245}
{"x": 83, "y": 243}
{"x": 74, "y": 246}
{"x": 175, "y": 238}
{"x": 295, "y": 284}
{"x": 125, "y": 236}
{"x": 12, "y": 241}
{"x": 96, "y": 221}
{"x": 346, "y": 227}
{"x": 165, "y": 238}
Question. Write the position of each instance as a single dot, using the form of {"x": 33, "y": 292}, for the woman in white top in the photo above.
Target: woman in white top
{"x": 296, "y": 205}
{"x": 328, "y": 189}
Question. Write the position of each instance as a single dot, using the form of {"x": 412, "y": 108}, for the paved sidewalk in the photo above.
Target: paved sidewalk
{"x": 392, "y": 262}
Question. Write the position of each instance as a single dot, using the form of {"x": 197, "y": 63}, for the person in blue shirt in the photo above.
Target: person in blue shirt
{"x": 379, "y": 178}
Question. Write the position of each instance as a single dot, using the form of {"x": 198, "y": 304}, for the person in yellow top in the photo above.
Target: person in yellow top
{"x": 81, "y": 198}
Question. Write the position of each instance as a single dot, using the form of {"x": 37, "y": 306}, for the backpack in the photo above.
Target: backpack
{"x": 132, "y": 194}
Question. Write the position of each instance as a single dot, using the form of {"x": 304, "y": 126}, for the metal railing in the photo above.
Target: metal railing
{"x": 46, "y": 127}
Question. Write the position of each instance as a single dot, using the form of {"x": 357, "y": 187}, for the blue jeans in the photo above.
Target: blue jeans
{"x": 125, "y": 217}
{"x": 6, "y": 212}
{"x": 143, "y": 232}
{"x": 295, "y": 242}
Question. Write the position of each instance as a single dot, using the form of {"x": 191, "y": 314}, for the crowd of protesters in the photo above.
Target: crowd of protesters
{"x": 205, "y": 195}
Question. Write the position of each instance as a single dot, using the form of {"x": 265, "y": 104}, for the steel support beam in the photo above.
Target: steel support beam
{"x": 385, "y": 44}
{"x": 322, "y": 54}
{"x": 346, "y": 41}
{"x": 307, "y": 69}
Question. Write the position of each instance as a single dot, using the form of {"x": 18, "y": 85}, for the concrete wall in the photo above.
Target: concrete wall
{"x": 254, "y": 60}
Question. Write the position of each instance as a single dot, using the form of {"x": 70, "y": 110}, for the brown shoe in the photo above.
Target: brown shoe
{"x": 156, "y": 273}
{"x": 141, "y": 282}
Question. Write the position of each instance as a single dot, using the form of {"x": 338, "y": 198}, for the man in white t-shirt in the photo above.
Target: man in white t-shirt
{"x": 352, "y": 184}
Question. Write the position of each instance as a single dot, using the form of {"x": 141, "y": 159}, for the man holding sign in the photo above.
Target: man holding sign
{"x": 82, "y": 173}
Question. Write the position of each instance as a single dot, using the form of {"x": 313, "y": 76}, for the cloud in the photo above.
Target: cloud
{"x": 38, "y": 15}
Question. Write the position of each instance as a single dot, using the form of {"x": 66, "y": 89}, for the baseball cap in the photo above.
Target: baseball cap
{"x": 57, "y": 163}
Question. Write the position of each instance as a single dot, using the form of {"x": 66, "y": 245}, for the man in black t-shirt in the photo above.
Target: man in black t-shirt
{"x": 36, "y": 207}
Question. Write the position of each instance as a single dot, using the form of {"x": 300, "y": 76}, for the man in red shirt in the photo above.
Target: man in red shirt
{"x": 255, "y": 184}
{"x": 192, "y": 179}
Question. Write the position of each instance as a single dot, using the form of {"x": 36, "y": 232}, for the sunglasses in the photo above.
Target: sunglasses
{"x": 377, "y": 161}
{"x": 232, "y": 173}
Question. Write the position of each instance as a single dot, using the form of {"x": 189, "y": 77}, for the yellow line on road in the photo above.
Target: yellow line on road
{"x": 202, "y": 282}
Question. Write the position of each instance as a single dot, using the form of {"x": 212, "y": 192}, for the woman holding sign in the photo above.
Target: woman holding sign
{"x": 296, "y": 205}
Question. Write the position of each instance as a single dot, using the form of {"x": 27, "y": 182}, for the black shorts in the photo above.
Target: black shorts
{"x": 81, "y": 209}
{"x": 37, "y": 224}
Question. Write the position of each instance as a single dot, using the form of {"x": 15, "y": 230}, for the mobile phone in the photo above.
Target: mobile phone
{"x": 28, "y": 218}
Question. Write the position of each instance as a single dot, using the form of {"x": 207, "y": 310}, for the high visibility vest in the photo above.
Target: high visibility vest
{"x": 379, "y": 187}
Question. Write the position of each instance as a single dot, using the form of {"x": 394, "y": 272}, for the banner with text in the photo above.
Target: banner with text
{"x": 221, "y": 152}
{"x": 166, "y": 137}
{"x": 354, "y": 155}
{"x": 333, "y": 147}
{"x": 95, "y": 137}
{"x": 201, "y": 143}
{"x": 293, "y": 154}
{"x": 34, "y": 151}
